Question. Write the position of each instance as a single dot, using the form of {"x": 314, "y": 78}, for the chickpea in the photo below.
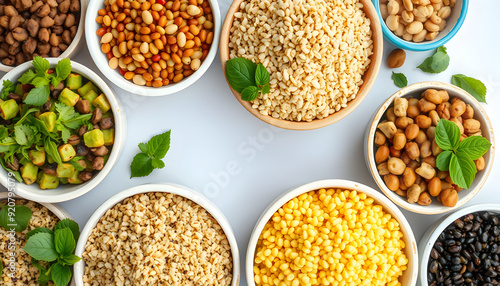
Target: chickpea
{"x": 413, "y": 102}
{"x": 445, "y": 185}
{"x": 431, "y": 132}
{"x": 443, "y": 111}
{"x": 425, "y": 105}
{"x": 457, "y": 188}
{"x": 462, "y": 137}
{"x": 394, "y": 152}
{"x": 411, "y": 131}
{"x": 403, "y": 122}
{"x": 480, "y": 164}
{"x": 426, "y": 171}
{"x": 430, "y": 160}
{"x": 380, "y": 138}
{"x": 421, "y": 137}
{"x": 413, "y": 111}
{"x": 425, "y": 149}
{"x": 390, "y": 114}
{"x": 472, "y": 126}
{"x": 436, "y": 150}
{"x": 392, "y": 182}
{"x": 399, "y": 141}
{"x": 424, "y": 199}
{"x": 457, "y": 108}
{"x": 409, "y": 177}
{"x": 423, "y": 121}
{"x": 469, "y": 112}
{"x": 401, "y": 193}
{"x": 434, "y": 186}
{"x": 434, "y": 117}
{"x": 433, "y": 96}
{"x": 442, "y": 174}
{"x": 449, "y": 197}
{"x": 412, "y": 150}
{"x": 382, "y": 154}
{"x": 413, "y": 193}
{"x": 382, "y": 169}
{"x": 400, "y": 106}
{"x": 396, "y": 166}
{"x": 402, "y": 185}
{"x": 458, "y": 123}
{"x": 388, "y": 128}
{"x": 444, "y": 95}
{"x": 413, "y": 165}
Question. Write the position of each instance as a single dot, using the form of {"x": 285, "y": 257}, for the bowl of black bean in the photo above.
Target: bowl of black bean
{"x": 462, "y": 248}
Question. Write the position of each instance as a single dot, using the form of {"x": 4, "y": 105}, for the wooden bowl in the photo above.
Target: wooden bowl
{"x": 368, "y": 78}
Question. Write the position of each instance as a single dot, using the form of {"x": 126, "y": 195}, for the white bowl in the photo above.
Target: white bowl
{"x": 68, "y": 192}
{"x": 409, "y": 277}
{"x": 431, "y": 235}
{"x": 101, "y": 61}
{"x": 57, "y": 210}
{"x": 75, "y": 45}
{"x": 163, "y": 188}
{"x": 486, "y": 127}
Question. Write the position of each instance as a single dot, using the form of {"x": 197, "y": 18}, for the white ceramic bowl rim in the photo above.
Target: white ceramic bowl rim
{"x": 480, "y": 179}
{"x": 153, "y": 188}
{"x": 333, "y": 183}
{"x": 74, "y": 43}
{"x": 115, "y": 77}
{"x": 429, "y": 238}
{"x": 68, "y": 192}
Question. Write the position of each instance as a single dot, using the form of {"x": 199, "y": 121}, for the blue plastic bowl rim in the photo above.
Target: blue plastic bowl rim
{"x": 391, "y": 37}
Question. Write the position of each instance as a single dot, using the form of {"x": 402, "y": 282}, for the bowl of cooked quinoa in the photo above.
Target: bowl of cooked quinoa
{"x": 157, "y": 234}
{"x": 21, "y": 271}
{"x": 322, "y": 57}
{"x": 332, "y": 232}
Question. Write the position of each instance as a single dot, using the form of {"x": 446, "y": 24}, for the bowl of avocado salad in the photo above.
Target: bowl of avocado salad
{"x": 61, "y": 130}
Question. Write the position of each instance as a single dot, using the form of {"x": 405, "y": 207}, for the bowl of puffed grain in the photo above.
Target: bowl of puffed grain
{"x": 322, "y": 58}
{"x": 158, "y": 234}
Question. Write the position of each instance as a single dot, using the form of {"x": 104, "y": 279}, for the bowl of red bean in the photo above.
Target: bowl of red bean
{"x": 153, "y": 47}
{"x": 406, "y": 152}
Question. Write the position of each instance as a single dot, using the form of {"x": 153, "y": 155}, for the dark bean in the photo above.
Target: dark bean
{"x": 85, "y": 176}
{"x": 14, "y": 165}
{"x": 49, "y": 169}
{"x": 433, "y": 267}
{"x": 16, "y": 97}
{"x": 98, "y": 163}
{"x": 83, "y": 129}
{"x": 106, "y": 123}
{"x": 74, "y": 140}
{"x": 455, "y": 248}
{"x": 455, "y": 260}
{"x": 456, "y": 267}
{"x": 96, "y": 116}
{"x": 81, "y": 149}
{"x": 459, "y": 223}
{"x": 434, "y": 253}
{"x": 46, "y": 106}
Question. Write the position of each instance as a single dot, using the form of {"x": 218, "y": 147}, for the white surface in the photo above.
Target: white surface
{"x": 213, "y": 134}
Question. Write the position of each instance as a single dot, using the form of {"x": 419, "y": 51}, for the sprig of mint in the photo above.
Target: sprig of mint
{"x": 56, "y": 247}
{"x": 437, "y": 63}
{"x": 8, "y": 87}
{"x": 151, "y": 155}
{"x": 399, "y": 79}
{"x": 247, "y": 78}
{"x": 473, "y": 86}
{"x": 18, "y": 218}
{"x": 458, "y": 157}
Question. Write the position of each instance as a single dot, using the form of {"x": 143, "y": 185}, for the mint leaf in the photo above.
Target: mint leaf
{"x": 266, "y": 89}
{"x": 158, "y": 145}
{"x": 70, "y": 259}
{"x": 474, "y": 147}
{"x": 66, "y": 112}
{"x": 262, "y": 76}
{"x": 144, "y": 148}
{"x": 77, "y": 121}
{"x": 40, "y": 81}
{"x": 71, "y": 224}
{"x": 28, "y": 112}
{"x": 51, "y": 149}
{"x": 447, "y": 135}
{"x": 27, "y": 77}
{"x": 443, "y": 160}
{"x": 38, "y": 230}
{"x": 250, "y": 93}
{"x": 157, "y": 163}
{"x": 141, "y": 165}
{"x": 64, "y": 241}
{"x": 399, "y": 79}
{"x": 437, "y": 63}
{"x": 16, "y": 174}
{"x": 63, "y": 69}
{"x": 473, "y": 86}
{"x": 75, "y": 164}
{"x": 8, "y": 87}
{"x": 240, "y": 73}
{"x": 41, "y": 65}
{"x": 38, "y": 96}
{"x": 60, "y": 274}
{"x": 17, "y": 217}
{"x": 24, "y": 134}
{"x": 462, "y": 170}
{"x": 43, "y": 279}
{"x": 41, "y": 247}
{"x": 1, "y": 267}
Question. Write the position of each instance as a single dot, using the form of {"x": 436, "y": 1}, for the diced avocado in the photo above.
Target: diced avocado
{"x": 67, "y": 152}
{"x": 74, "y": 81}
{"x": 9, "y": 109}
{"x": 107, "y": 114}
{"x": 63, "y": 181}
{"x": 88, "y": 87}
{"x": 93, "y": 138}
{"x": 19, "y": 89}
{"x": 29, "y": 173}
{"x": 68, "y": 97}
{"x": 105, "y": 158}
{"x": 74, "y": 180}
{"x": 109, "y": 136}
{"x": 48, "y": 181}
{"x": 49, "y": 118}
{"x": 91, "y": 96}
{"x": 37, "y": 157}
{"x": 102, "y": 102}
{"x": 39, "y": 177}
{"x": 65, "y": 170}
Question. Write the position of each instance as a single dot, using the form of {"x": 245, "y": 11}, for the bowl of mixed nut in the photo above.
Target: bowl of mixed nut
{"x": 421, "y": 25}
{"x": 158, "y": 234}
{"x": 52, "y": 28}
{"x": 430, "y": 147}
{"x": 154, "y": 47}
{"x": 62, "y": 129}
{"x": 295, "y": 70}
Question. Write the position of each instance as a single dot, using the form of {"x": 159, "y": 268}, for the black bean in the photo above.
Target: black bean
{"x": 433, "y": 267}
{"x": 434, "y": 253}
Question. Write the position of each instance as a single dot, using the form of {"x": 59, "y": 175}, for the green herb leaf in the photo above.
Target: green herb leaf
{"x": 1, "y": 267}
{"x": 462, "y": 170}
{"x": 144, "y": 148}
{"x": 63, "y": 69}
{"x": 266, "y": 89}
{"x": 399, "y": 79}
{"x": 27, "y": 77}
{"x": 38, "y": 96}
{"x": 70, "y": 259}
{"x": 41, "y": 247}
{"x": 41, "y": 65}
{"x": 60, "y": 274}
{"x": 158, "y": 145}
{"x": 64, "y": 241}
{"x": 443, "y": 160}
{"x": 157, "y": 163}
{"x": 8, "y": 87}
{"x": 262, "y": 76}
{"x": 40, "y": 81}
{"x": 77, "y": 121}
{"x": 240, "y": 73}
{"x": 43, "y": 278}
{"x": 65, "y": 134}
{"x": 447, "y": 135}
{"x": 141, "y": 165}
{"x": 38, "y": 230}
{"x": 473, "y": 86}
{"x": 437, "y": 63}
{"x": 71, "y": 224}
{"x": 75, "y": 164}
{"x": 16, "y": 174}
{"x": 250, "y": 93}
{"x": 17, "y": 217}
{"x": 28, "y": 112}
{"x": 24, "y": 135}
{"x": 51, "y": 149}
{"x": 474, "y": 147}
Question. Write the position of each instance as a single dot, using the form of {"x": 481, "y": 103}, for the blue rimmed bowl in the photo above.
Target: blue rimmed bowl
{"x": 454, "y": 23}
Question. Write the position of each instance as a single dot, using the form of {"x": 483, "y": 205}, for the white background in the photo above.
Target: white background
{"x": 212, "y": 132}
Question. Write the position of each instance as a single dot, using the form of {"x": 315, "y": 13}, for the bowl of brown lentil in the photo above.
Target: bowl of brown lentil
{"x": 154, "y": 47}
{"x": 413, "y": 130}
{"x": 321, "y": 68}
{"x": 159, "y": 234}
{"x": 332, "y": 231}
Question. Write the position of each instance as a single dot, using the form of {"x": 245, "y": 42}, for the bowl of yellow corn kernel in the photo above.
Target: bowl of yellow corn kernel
{"x": 332, "y": 232}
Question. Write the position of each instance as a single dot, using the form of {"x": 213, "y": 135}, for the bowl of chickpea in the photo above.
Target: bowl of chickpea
{"x": 421, "y": 25}
{"x": 153, "y": 47}
{"x": 401, "y": 150}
